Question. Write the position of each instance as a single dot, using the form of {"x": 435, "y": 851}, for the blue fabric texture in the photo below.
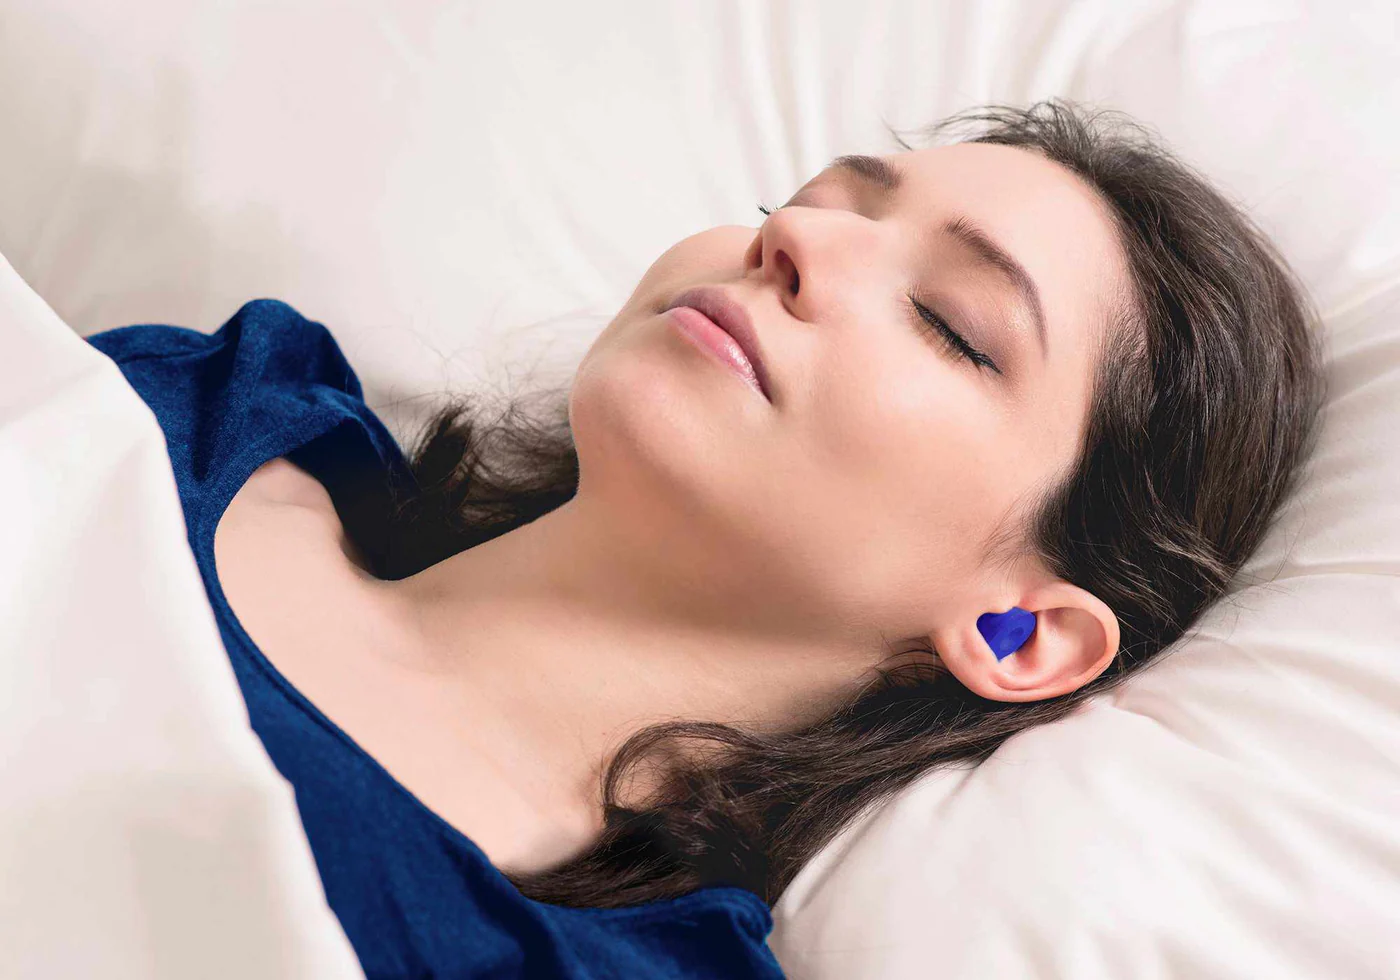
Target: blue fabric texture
{"x": 416, "y": 897}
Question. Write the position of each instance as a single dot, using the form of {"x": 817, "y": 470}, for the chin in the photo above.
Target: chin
{"x": 656, "y": 437}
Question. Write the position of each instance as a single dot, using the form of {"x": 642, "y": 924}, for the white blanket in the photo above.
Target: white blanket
{"x": 144, "y": 833}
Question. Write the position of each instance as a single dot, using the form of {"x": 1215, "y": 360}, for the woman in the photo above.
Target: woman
{"x": 649, "y": 654}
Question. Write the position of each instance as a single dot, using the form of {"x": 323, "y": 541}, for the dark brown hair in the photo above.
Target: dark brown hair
{"x": 1206, "y": 393}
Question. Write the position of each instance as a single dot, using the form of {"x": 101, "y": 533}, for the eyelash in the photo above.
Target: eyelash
{"x": 953, "y": 340}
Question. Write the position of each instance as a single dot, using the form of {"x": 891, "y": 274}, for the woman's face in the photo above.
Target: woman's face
{"x": 863, "y": 494}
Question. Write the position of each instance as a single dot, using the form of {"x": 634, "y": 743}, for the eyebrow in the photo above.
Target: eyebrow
{"x": 887, "y": 179}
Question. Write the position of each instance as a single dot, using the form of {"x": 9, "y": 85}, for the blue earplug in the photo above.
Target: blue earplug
{"x": 1006, "y": 632}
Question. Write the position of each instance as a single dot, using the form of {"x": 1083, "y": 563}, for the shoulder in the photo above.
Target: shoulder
{"x": 283, "y": 499}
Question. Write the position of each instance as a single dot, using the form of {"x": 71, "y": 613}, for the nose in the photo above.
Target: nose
{"x": 777, "y": 266}
{"x": 824, "y": 248}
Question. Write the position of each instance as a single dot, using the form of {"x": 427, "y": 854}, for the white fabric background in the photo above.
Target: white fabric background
{"x": 465, "y": 193}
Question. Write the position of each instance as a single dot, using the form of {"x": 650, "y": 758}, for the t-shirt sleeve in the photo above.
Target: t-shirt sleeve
{"x": 223, "y": 398}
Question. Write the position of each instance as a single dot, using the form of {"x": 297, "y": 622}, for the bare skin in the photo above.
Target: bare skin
{"x": 297, "y": 585}
{"x": 726, "y": 558}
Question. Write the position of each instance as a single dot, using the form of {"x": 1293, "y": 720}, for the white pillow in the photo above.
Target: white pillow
{"x": 454, "y": 188}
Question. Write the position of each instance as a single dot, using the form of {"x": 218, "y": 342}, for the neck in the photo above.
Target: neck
{"x": 566, "y": 636}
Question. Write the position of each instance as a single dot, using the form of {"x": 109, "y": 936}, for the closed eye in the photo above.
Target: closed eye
{"x": 950, "y": 337}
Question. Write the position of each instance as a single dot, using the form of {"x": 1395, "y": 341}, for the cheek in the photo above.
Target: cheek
{"x": 913, "y": 455}
{"x": 887, "y": 417}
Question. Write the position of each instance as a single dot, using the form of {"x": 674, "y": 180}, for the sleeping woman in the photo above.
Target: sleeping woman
{"x": 955, "y": 440}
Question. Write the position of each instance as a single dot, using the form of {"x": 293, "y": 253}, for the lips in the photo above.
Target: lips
{"x": 733, "y": 319}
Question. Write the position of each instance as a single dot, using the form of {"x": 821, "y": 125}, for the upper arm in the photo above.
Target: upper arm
{"x": 283, "y": 484}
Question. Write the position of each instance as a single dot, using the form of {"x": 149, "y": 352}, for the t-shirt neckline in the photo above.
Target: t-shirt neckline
{"x": 217, "y": 500}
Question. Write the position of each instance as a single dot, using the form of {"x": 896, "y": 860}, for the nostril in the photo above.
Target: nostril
{"x": 782, "y": 259}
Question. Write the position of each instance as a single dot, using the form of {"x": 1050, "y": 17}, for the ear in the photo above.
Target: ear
{"x": 1075, "y": 639}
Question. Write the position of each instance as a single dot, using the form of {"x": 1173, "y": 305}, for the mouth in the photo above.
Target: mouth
{"x": 730, "y": 316}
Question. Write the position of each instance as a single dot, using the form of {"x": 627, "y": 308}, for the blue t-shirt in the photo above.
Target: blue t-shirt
{"x": 416, "y": 897}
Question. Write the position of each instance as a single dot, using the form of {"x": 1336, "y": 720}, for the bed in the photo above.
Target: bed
{"x": 464, "y": 193}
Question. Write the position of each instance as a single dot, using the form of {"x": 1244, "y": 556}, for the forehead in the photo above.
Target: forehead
{"x": 1051, "y": 219}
